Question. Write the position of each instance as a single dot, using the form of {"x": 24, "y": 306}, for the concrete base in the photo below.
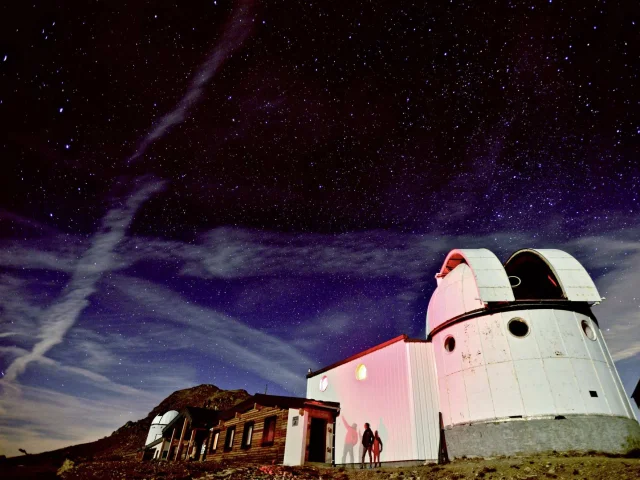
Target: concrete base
{"x": 573, "y": 433}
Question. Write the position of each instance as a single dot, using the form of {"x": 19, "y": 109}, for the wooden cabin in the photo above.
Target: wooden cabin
{"x": 262, "y": 429}
{"x": 183, "y": 437}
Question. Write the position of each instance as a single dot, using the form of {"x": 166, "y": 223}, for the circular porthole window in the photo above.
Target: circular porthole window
{"x": 361, "y": 372}
{"x": 514, "y": 281}
{"x": 518, "y": 327}
{"x": 324, "y": 383}
{"x": 588, "y": 330}
{"x": 449, "y": 344}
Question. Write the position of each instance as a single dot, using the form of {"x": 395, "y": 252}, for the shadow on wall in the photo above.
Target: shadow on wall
{"x": 350, "y": 440}
{"x": 353, "y": 438}
{"x": 384, "y": 435}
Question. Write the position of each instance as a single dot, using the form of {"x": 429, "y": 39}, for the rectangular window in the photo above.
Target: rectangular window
{"x": 247, "y": 434}
{"x": 214, "y": 443}
{"x": 228, "y": 440}
{"x": 269, "y": 432}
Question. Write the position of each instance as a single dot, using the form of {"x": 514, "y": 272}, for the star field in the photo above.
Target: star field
{"x": 233, "y": 192}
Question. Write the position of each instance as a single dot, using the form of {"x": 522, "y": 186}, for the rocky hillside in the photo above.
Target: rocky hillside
{"x": 125, "y": 441}
{"x": 131, "y": 436}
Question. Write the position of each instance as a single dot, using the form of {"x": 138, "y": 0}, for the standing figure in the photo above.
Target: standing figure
{"x": 377, "y": 448}
{"x": 367, "y": 443}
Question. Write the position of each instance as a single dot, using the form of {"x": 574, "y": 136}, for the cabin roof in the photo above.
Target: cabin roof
{"x": 199, "y": 417}
{"x": 279, "y": 401}
{"x": 207, "y": 418}
{"x": 154, "y": 443}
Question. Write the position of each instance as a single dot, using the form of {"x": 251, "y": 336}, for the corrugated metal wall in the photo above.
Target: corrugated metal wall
{"x": 424, "y": 385}
{"x": 385, "y": 399}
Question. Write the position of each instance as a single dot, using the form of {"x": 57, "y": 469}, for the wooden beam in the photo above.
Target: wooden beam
{"x": 173, "y": 434}
{"x": 179, "y": 449}
{"x": 162, "y": 448}
{"x": 193, "y": 436}
{"x": 207, "y": 444}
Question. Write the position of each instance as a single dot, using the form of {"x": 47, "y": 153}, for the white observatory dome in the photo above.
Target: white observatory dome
{"x": 518, "y": 351}
{"x": 158, "y": 424}
{"x": 168, "y": 417}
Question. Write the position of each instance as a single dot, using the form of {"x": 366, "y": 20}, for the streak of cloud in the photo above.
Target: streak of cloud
{"x": 37, "y": 415}
{"x": 223, "y": 336}
{"x": 234, "y": 33}
{"x": 63, "y": 314}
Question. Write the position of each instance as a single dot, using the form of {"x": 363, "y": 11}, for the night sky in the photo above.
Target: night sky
{"x": 234, "y": 192}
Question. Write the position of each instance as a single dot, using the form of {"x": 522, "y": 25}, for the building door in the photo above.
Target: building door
{"x": 317, "y": 440}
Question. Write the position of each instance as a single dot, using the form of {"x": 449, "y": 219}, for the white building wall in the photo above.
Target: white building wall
{"x": 615, "y": 378}
{"x": 491, "y": 374}
{"x": 385, "y": 399}
{"x": 424, "y": 386}
{"x": 294, "y": 448}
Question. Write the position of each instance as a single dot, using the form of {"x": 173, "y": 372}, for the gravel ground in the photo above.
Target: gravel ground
{"x": 560, "y": 466}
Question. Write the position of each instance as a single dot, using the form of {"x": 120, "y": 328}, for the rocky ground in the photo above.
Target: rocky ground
{"x": 560, "y": 466}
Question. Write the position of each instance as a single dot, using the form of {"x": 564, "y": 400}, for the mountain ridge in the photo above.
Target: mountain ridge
{"x": 129, "y": 438}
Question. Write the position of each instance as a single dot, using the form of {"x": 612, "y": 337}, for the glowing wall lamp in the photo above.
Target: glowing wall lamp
{"x": 361, "y": 372}
{"x": 324, "y": 383}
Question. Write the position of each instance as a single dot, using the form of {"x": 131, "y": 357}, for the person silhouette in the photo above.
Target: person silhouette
{"x": 377, "y": 448}
{"x": 367, "y": 444}
{"x": 350, "y": 440}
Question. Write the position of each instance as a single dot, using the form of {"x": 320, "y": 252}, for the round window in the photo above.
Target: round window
{"x": 514, "y": 281}
{"x": 361, "y": 372}
{"x": 324, "y": 383}
{"x": 588, "y": 330}
{"x": 449, "y": 344}
{"x": 518, "y": 327}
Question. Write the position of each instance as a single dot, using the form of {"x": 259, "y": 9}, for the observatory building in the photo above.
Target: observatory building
{"x": 158, "y": 424}
{"x": 522, "y": 365}
{"x": 513, "y": 362}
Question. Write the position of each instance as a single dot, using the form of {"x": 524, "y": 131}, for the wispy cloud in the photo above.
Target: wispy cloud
{"x": 95, "y": 378}
{"x": 182, "y": 340}
{"x": 232, "y": 37}
{"x": 54, "y": 321}
{"x": 62, "y": 315}
{"x": 619, "y": 313}
{"x": 224, "y": 337}
{"x": 41, "y": 419}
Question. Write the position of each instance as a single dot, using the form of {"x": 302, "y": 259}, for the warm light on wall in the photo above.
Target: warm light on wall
{"x": 361, "y": 372}
{"x": 324, "y": 383}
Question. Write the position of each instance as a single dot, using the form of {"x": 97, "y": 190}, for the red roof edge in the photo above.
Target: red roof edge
{"x": 362, "y": 354}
